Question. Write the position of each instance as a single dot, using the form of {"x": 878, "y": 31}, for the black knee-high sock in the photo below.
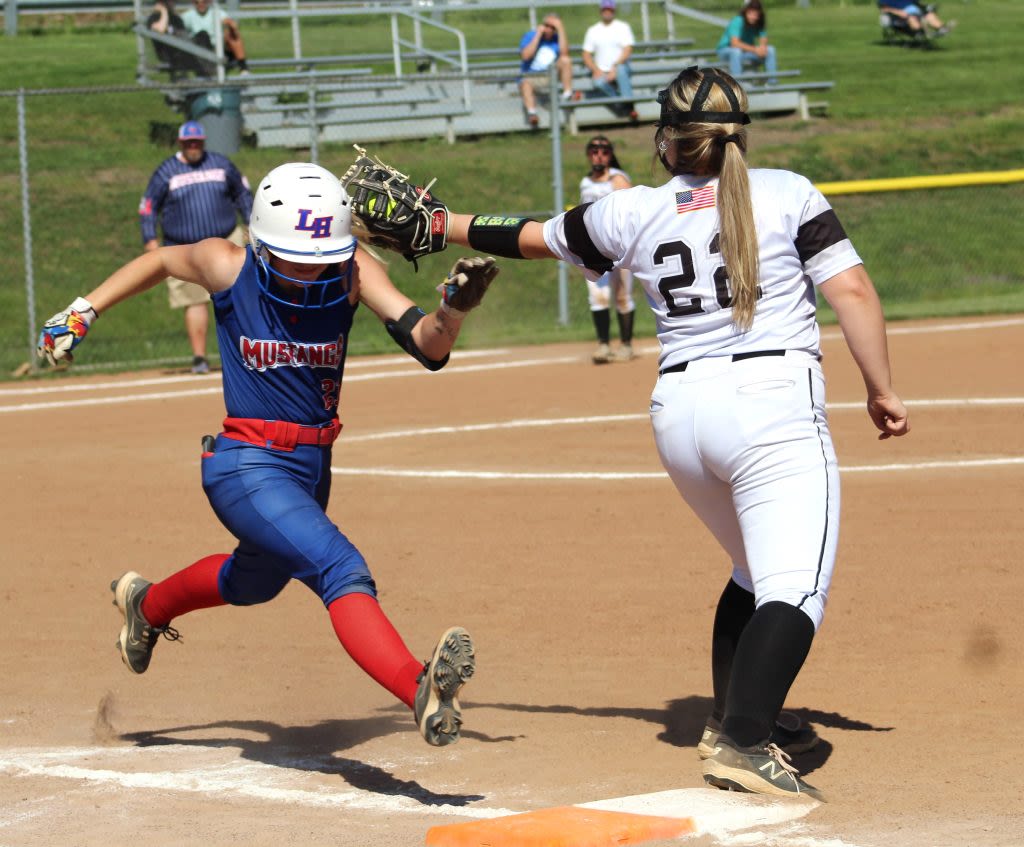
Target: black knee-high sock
{"x": 625, "y": 327}
{"x": 770, "y": 653}
{"x": 735, "y": 607}
{"x": 602, "y": 324}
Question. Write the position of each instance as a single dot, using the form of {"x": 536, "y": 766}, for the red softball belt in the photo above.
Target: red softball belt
{"x": 281, "y": 435}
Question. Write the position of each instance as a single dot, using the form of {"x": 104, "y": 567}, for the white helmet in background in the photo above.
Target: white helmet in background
{"x": 302, "y": 213}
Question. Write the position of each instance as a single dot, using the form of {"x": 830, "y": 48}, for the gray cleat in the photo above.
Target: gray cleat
{"x": 137, "y": 637}
{"x": 437, "y": 710}
{"x": 761, "y": 769}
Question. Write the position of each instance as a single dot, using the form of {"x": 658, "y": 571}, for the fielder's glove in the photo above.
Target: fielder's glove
{"x": 64, "y": 331}
{"x": 389, "y": 212}
{"x": 466, "y": 285}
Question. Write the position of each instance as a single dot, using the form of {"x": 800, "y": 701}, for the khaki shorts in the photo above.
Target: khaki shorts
{"x": 541, "y": 80}
{"x": 181, "y": 294}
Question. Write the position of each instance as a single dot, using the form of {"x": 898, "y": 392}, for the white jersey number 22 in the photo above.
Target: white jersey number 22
{"x": 677, "y": 307}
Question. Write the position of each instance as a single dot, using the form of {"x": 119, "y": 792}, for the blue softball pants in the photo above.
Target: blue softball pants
{"x": 274, "y": 503}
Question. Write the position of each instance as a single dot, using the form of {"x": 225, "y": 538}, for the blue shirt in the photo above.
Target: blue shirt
{"x": 193, "y": 202}
{"x": 547, "y": 52}
{"x": 738, "y": 28}
{"x": 280, "y": 363}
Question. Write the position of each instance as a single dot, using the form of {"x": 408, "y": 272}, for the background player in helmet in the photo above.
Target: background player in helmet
{"x": 616, "y": 286}
{"x": 284, "y": 307}
{"x": 730, "y": 261}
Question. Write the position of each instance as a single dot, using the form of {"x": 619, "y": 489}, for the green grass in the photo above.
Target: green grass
{"x": 893, "y": 112}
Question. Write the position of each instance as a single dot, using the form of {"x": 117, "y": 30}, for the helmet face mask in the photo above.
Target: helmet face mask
{"x": 302, "y": 293}
{"x": 302, "y": 214}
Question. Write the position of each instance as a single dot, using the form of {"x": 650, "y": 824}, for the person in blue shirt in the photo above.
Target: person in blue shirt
{"x": 917, "y": 19}
{"x": 539, "y": 49}
{"x": 284, "y": 306}
{"x": 745, "y": 42}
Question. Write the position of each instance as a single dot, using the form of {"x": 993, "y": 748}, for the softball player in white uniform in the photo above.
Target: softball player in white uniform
{"x": 615, "y": 286}
{"x": 730, "y": 261}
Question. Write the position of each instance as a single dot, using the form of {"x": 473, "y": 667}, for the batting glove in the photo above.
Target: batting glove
{"x": 466, "y": 285}
{"x": 64, "y": 331}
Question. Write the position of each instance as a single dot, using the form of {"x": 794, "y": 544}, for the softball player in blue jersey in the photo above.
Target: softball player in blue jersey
{"x": 284, "y": 307}
{"x": 730, "y": 260}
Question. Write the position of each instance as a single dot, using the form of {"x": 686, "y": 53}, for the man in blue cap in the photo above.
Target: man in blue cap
{"x": 194, "y": 194}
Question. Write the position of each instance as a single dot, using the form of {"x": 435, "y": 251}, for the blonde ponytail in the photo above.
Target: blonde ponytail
{"x": 709, "y": 138}
{"x": 738, "y": 238}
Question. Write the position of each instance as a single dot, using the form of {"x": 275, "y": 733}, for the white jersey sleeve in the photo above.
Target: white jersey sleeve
{"x": 590, "y": 228}
{"x": 820, "y": 240}
{"x": 668, "y": 237}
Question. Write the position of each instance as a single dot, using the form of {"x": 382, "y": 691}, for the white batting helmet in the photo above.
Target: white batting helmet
{"x": 302, "y": 213}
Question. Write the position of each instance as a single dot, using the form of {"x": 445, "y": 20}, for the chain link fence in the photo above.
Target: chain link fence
{"x": 74, "y": 163}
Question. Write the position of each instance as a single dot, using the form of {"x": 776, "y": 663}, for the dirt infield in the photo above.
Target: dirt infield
{"x": 538, "y": 517}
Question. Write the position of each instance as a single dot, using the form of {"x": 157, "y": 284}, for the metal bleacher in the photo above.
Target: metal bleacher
{"x": 416, "y": 92}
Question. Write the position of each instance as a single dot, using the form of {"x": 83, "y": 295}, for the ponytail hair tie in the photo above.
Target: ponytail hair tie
{"x": 722, "y": 140}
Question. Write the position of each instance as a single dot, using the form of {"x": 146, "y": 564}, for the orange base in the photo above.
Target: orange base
{"x": 565, "y": 826}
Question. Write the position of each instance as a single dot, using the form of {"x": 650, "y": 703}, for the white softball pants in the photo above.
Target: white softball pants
{"x": 747, "y": 445}
{"x": 614, "y": 287}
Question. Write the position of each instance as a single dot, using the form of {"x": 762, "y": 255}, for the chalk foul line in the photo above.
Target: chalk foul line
{"x": 618, "y": 476}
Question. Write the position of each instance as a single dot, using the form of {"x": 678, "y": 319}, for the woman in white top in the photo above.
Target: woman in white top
{"x": 731, "y": 260}
{"x": 201, "y": 21}
{"x": 605, "y": 176}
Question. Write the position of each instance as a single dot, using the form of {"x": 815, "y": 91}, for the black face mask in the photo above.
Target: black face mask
{"x": 601, "y": 166}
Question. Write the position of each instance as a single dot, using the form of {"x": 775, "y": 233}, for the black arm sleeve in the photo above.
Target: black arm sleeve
{"x": 401, "y": 331}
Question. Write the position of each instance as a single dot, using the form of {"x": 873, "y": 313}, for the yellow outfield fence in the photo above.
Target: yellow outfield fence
{"x": 939, "y": 242}
{"x": 912, "y": 183}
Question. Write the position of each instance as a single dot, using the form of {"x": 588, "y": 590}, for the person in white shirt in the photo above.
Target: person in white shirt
{"x": 731, "y": 261}
{"x": 201, "y": 25}
{"x": 604, "y": 177}
{"x": 607, "y": 46}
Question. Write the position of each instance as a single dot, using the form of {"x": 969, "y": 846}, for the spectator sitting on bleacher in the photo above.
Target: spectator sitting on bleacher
{"x": 745, "y": 42}
{"x": 166, "y": 21}
{"x": 915, "y": 18}
{"x": 201, "y": 25}
{"x": 539, "y": 49}
{"x": 607, "y": 46}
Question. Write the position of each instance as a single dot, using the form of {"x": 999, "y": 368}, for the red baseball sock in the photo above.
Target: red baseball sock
{"x": 373, "y": 643}
{"x": 191, "y": 588}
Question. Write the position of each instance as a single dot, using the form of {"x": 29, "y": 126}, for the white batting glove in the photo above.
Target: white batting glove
{"x": 64, "y": 331}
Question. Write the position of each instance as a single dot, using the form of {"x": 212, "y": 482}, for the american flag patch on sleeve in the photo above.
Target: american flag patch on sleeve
{"x": 693, "y": 199}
